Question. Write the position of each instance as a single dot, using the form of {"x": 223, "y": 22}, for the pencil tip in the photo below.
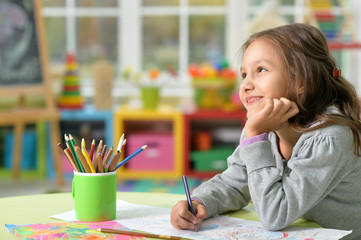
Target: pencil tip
{"x": 93, "y": 142}
{"x": 145, "y": 146}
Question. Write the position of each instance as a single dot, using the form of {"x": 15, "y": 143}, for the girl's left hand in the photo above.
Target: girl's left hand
{"x": 269, "y": 115}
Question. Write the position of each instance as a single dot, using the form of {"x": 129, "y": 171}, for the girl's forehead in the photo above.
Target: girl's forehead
{"x": 261, "y": 49}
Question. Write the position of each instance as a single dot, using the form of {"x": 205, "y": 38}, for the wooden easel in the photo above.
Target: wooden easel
{"x": 20, "y": 116}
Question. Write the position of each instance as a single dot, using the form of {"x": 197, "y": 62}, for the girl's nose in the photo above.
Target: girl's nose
{"x": 246, "y": 85}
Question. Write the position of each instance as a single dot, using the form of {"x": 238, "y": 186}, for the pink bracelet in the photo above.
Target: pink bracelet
{"x": 257, "y": 138}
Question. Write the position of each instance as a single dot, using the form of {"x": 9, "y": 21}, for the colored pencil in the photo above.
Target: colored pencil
{"x": 188, "y": 195}
{"x": 99, "y": 148}
{"x": 127, "y": 159}
{"x": 82, "y": 159}
{"x": 70, "y": 144}
{"x": 73, "y": 139}
{"x": 100, "y": 163}
{"x": 60, "y": 146}
{"x": 71, "y": 159}
{"x": 92, "y": 148}
{"x": 120, "y": 143}
{"x": 104, "y": 150}
{"x": 114, "y": 161}
{"x": 124, "y": 142}
{"x": 67, "y": 155}
{"x": 131, "y": 233}
{"x": 85, "y": 153}
{"x": 107, "y": 157}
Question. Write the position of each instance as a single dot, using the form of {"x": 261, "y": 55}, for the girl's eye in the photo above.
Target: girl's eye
{"x": 261, "y": 69}
{"x": 244, "y": 75}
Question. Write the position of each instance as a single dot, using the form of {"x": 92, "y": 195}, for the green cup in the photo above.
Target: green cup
{"x": 150, "y": 97}
{"x": 94, "y": 195}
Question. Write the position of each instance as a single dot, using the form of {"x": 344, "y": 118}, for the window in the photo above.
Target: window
{"x": 163, "y": 34}
{"x": 145, "y": 34}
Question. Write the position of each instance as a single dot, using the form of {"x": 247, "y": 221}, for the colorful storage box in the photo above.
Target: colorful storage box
{"x": 212, "y": 160}
{"x": 159, "y": 154}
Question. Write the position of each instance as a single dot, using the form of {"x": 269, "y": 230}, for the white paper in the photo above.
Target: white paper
{"x": 157, "y": 220}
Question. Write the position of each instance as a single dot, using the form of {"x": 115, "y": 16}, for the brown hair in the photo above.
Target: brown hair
{"x": 304, "y": 51}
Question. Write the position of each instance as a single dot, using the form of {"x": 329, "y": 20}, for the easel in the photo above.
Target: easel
{"x": 20, "y": 116}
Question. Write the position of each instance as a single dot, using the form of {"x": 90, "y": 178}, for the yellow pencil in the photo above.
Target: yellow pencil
{"x": 85, "y": 153}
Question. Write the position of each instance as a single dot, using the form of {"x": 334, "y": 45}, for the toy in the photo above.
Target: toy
{"x": 213, "y": 84}
{"x": 70, "y": 97}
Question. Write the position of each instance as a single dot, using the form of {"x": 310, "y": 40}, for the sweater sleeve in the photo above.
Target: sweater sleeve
{"x": 282, "y": 197}
{"x": 227, "y": 191}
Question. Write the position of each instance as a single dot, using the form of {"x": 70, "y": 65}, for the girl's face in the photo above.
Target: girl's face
{"x": 263, "y": 73}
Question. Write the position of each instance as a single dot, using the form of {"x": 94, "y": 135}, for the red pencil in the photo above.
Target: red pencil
{"x": 92, "y": 148}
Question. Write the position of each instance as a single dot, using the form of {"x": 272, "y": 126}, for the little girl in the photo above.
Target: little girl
{"x": 299, "y": 153}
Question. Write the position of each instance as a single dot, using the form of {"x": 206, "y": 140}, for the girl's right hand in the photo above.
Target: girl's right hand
{"x": 269, "y": 115}
{"x": 182, "y": 218}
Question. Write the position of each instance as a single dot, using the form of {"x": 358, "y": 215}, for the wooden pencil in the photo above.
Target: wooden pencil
{"x": 107, "y": 157}
{"x": 99, "y": 148}
{"x": 100, "y": 163}
{"x": 131, "y": 233}
{"x": 92, "y": 148}
{"x": 121, "y": 140}
{"x": 103, "y": 151}
{"x": 70, "y": 144}
{"x": 70, "y": 158}
{"x": 122, "y": 148}
{"x": 82, "y": 159}
{"x": 114, "y": 161}
{"x": 68, "y": 155}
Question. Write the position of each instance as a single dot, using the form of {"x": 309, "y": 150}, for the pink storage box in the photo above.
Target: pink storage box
{"x": 157, "y": 156}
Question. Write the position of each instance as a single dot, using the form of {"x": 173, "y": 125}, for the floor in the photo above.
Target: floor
{"x": 10, "y": 188}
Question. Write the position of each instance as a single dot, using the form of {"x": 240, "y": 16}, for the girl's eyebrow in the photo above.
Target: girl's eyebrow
{"x": 259, "y": 61}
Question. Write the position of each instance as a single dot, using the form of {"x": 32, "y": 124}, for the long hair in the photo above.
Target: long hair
{"x": 304, "y": 51}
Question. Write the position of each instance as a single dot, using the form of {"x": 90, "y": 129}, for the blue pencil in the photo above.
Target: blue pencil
{"x": 130, "y": 157}
{"x": 188, "y": 195}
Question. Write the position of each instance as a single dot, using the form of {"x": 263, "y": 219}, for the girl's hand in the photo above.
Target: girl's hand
{"x": 182, "y": 218}
{"x": 269, "y": 115}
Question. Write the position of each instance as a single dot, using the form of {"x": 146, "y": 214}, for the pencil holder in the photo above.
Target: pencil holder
{"x": 94, "y": 196}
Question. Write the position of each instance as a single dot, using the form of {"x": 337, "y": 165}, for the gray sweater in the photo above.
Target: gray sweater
{"x": 321, "y": 182}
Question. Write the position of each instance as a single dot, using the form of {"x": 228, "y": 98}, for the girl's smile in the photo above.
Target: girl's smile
{"x": 253, "y": 99}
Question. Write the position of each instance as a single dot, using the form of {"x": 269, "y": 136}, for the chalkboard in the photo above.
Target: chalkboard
{"x": 20, "y": 59}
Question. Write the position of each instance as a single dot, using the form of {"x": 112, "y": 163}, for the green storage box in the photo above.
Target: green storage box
{"x": 212, "y": 160}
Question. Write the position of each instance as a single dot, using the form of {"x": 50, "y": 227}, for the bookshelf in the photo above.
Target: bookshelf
{"x": 224, "y": 129}
{"x": 155, "y": 128}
